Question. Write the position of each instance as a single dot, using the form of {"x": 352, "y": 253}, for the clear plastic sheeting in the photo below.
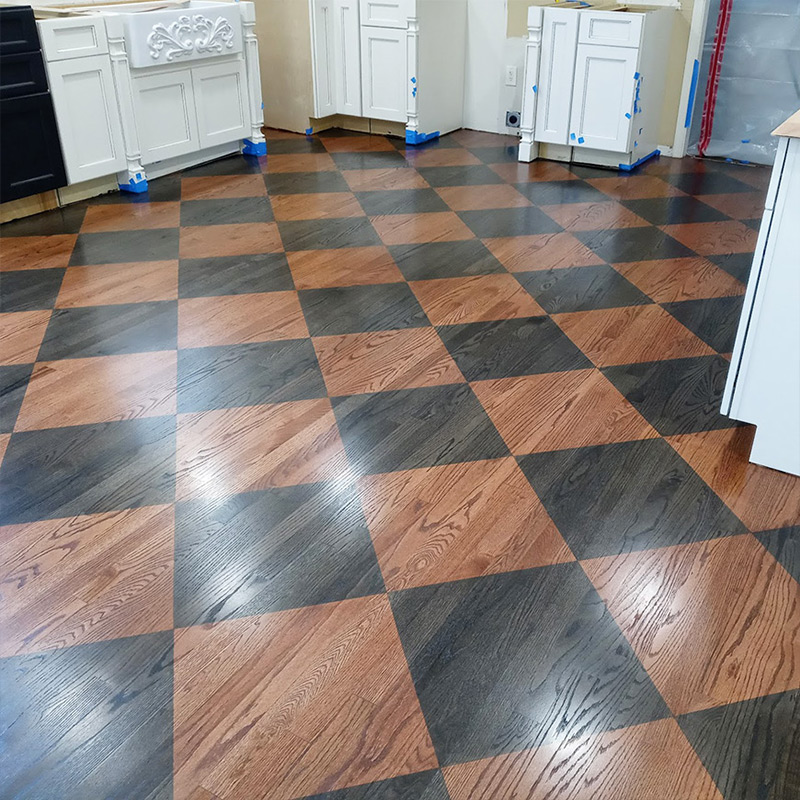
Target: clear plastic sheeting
{"x": 759, "y": 85}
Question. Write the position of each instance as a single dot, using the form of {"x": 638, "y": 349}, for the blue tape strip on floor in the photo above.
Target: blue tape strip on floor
{"x": 415, "y": 137}
{"x": 254, "y": 148}
{"x": 629, "y": 167}
{"x": 134, "y": 186}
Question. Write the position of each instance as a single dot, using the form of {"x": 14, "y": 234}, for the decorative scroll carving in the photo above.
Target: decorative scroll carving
{"x": 184, "y": 36}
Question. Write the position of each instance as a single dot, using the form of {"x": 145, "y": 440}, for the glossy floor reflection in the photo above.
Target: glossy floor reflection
{"x": 366, "y": 472}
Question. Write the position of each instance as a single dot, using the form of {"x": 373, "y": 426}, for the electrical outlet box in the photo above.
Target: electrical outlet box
{"x": 511, "y": 76}
{"x": 512, "y": 119}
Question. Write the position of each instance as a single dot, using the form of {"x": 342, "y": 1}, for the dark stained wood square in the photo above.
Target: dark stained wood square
{"x": 616, "y": 498}
{"x": 401, "y": 201}
{"x": 714, "y": 320}
{"x": 518, "y": 660}
{"x": 84, "y": 579}
{"x": 247, "y": 375}
{"x": 358, "y": 309}
{"x": 89, "y": 721}
{"x": 206, "y": 277}
{"x": 784, "y": 544}
{"x": 752, "y": 748}
{"x": 133, "y": 245}
{"x": 271, "y": 550}
{"x": 324, "y": 234}
{"x": 30, "y": 289}
{"x": 427, "y": 785}
{"x": 87, "y": 469}
{"x": 633, "y": 244}
{"x": 430, "y": 260}
{"x": 457, "y": 521}
{"x": 336, "y": 704}
{"x": 304, "y": 182}
{"x": 412, "y": 428}
{"x": 680, "y": 395}
{"x": 713, "y": 622}
{"x": 508, "y": 348}
{"x": 13, "y": 383}
{"x": 227, "y": 211}
{"x": 501, "y": 222}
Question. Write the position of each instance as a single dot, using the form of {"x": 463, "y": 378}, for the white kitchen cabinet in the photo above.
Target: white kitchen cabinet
{"x": 599, "y": 82}
{"x": 220, "y": 98}
{"x": 383, "y": 73}
{"x": 163, "y": 87}
{"x": 86, "y": 113}
{"x": 165, "y": 114}
{"x": 602, "y": 98}
{"x": 394, "y": 60}
{"x": 763, "y": 384}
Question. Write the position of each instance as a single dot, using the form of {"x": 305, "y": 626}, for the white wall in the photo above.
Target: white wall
{"x": 486, "y": 97}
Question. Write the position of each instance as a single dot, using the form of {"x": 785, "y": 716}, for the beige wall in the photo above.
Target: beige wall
{"x": 283, "y": 28}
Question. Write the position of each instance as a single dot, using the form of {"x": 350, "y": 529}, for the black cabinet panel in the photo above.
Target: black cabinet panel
{"x": 18, "y": 32}
{"x": 21, "y": 74}
{"x": 30, "y": 150}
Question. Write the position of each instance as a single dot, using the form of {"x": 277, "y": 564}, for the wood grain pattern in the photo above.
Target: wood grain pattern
{"x": 635, "y": 187}
{"x": 541, "y": 251}
{"x": 4, "y": 439}
{"x": 457, "y": 521}
{"x": 559, "y": 410}
{"x": 36, "y": 252}
{"x": 628, "y": 335}
{"x": 674, "y": 279}
{"x": 366, "y": 180}
{"x": 346, "y": 266}
{"x": 288, "y": 687}
{"x": 316, "y": 206}
{"x": 707, "y": 238}
{"x": 300, "y": 162}
{"x": 763, "y": 498}
{"x": 236, "y": 450}
{"x": 441, "y": 157}
{"x": 111, "y": 284}
{"x": 469, "y": 198}
{"x": 739, "y": 205}
{"x": 85, "y": 579}
{"x": 81, "y": 391}
{"x": 240, "y": 318}
{"x": 439, "y": 226}
{"x": 223, "y": 187}
{"x": 535, "y": 171}
{"x": 713, "y": 622}
{"x": 230, "y": 240}
{"x": 593, "y": 216}
{"x": 477, "y": 298}
{"x": 21, "y": 334}
{"x": 130, "y": 216}
{"x": 357, "y": 144}
{"x": 644, "y": 762}
{"x": 384, "y": 360}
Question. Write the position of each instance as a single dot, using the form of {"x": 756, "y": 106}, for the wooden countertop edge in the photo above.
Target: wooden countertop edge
{"x": 791, "y": 127}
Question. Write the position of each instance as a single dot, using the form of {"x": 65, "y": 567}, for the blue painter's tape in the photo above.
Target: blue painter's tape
{"x": 309, "y": 131}
{"x": 640, "y": 131}
{"x": 636, "y": 144}
{"x": 629, "y": 167}
{"x": 414, "y": 92}
{"x": 636, "y": 76}
{"x": 572, "y": 136}
{"x": 744, "y": 162}
{"x": 745, "y": 141}
{"x": 413, "y": 80}
{"x": 580, "y": 140}
{"x": 254, "y": 148}
{"x": 415, "y": 137}
{"x": 692, "y": 91}
{"x": 627, "y": 115}
{"x": 534, "y": 88}
{"x": 134, "y": 186}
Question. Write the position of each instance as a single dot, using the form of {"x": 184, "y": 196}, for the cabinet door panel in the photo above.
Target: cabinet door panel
{"x": 88, "y": 118}
{"x": 220, "y": 96}
{"x": 383, "y": 73}
{"x": 557, "y": 69}
{"x": 30, "y": 155}
{"x": 324, "y": 58}
{"x": 604, "y": 90}
{"x": 166, "y": 119}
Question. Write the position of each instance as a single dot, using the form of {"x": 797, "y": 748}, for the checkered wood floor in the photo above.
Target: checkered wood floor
{"x": 369, "y": 472}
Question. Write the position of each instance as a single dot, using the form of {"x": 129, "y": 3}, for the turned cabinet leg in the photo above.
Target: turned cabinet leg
{"x": 255, "y": 144}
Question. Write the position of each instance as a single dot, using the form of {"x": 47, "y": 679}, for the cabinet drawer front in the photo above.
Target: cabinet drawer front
{"x": 17, "y": 30}
{"x": 72, "y": 38}
{"x": 21, "y": 74}
{"x": 387, "y": 13}
{"x": 30, "y": 153}
{"x": 615, "y": 28}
